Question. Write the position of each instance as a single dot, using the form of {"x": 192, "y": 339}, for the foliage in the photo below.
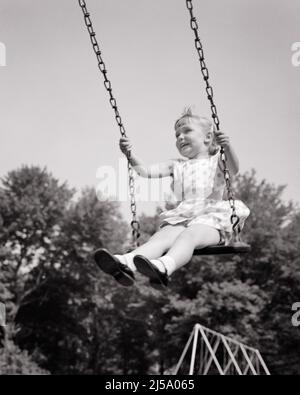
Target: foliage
{"x": 14, "y": 361}
{"x": 82, "y": 322}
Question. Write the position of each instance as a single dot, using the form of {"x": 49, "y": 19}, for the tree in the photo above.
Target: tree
{"x": 31, "y": 203}
{"x": 49, "y": 280}
{"x": 74, "y": 319}
{"x": 14, "y": 361}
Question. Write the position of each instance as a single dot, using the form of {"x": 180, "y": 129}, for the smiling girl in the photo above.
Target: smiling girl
{"x": 202, "y": 217}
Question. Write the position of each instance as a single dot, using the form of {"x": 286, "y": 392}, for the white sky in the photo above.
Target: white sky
{"x": 55, "y": 111}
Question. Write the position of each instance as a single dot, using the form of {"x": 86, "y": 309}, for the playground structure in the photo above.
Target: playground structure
{"x": 208, "y": 352}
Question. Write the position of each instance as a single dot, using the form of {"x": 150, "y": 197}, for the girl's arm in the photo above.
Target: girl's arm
{"x": 232, "y": 159}
{"x": 157, "y": 170}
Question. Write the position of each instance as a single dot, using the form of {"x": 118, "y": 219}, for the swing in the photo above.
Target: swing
{"x": 236, "y": 245}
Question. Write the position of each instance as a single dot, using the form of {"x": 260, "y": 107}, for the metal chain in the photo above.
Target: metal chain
{"x": 135, "y": 225}
{"x": 209, "y": 90}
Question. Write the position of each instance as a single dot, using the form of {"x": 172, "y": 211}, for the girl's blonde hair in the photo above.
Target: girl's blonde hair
{"x": 206, "y": 124}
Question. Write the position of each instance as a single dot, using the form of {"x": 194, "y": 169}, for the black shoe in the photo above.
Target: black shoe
{"x": 109, "y": 264}
{"x": 157, "y": 278}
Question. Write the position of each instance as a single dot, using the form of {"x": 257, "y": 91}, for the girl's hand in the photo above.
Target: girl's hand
{"x": 222, "y": 139}
{"x": 125, "y": 145}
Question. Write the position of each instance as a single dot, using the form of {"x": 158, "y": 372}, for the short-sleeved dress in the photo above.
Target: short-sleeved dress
{"x": 198, "y": 185}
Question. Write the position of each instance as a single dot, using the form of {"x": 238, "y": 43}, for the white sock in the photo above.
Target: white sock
{"x": 127, "y": 259}
{"x": 157, "y": 263}
{"x": 164, "y": 263}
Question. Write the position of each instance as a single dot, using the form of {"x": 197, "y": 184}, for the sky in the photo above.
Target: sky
{"x": 55, "y": 110}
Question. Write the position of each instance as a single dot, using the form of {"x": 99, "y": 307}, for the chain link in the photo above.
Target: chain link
{"x": 135, "y": 225}
{"x": 210, "y": 95}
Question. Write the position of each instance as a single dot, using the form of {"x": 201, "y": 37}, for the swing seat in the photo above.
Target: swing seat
{"x": 234, "y": 248}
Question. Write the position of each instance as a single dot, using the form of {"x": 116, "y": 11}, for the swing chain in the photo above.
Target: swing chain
{"x": 210, "y": 95}
{"x": 135, "y": 226}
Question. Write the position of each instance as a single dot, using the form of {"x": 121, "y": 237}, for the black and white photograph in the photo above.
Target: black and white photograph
{"x": 149, "y": 190}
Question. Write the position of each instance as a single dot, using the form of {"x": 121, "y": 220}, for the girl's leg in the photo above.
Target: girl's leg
{"x": 160, "y": 242}
{"x": 195, "y": 236}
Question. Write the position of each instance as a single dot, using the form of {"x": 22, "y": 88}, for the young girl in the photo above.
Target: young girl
{"x": 201, "y": 219}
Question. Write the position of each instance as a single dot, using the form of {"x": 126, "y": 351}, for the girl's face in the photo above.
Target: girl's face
{"x": 191, "y": 140}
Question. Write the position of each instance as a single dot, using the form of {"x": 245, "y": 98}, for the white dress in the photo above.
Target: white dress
{"x": 198, "y": 185}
